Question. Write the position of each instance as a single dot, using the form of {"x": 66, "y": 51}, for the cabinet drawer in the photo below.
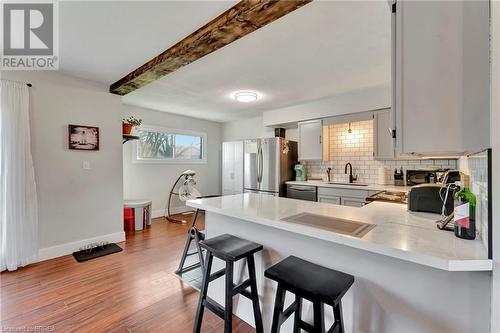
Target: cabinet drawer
{"x": 342, "y": 192}
{"x": 353, "y": 202}
{"x": 329, "y": 199}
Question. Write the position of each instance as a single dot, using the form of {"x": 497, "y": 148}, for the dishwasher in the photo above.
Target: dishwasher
{"x": 301, "y": 192}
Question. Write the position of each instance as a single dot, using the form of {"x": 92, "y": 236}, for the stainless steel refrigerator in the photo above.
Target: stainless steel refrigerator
{"x": 268, "y": 164}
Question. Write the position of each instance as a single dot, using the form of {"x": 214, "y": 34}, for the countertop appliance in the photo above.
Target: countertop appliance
{"x": 268, "y": 164}
{"x": 302, "y": 192}
{"x": 399, "y": 179}
{"x": 388, "y": 196}
{"x": 300, "y": 172}
{"x": 427, "y": 198}
{"x": 417, "y": 177}
{"x": 450, "y": 177}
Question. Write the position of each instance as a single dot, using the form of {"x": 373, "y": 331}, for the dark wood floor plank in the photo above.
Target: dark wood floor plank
{"x": 131, "y": 291}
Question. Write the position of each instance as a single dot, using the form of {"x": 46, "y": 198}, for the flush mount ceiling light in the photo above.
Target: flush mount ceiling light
{"x": 245, "y": 96}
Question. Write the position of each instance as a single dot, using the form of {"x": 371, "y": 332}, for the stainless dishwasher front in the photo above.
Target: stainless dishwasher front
{"x": 302, "y": 192}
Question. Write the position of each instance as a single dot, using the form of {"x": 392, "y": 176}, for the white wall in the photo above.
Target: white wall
{"x": 76, "y": 206}
{"x": 357, "y": 101}
{"x": 252, "y": 128}
{"x": 154, "y": 181}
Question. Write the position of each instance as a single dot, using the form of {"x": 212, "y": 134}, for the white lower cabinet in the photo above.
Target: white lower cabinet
{"x": 333, "y": 199}
{"x": 353, "y": 202}
{"x": 343, "y": 196}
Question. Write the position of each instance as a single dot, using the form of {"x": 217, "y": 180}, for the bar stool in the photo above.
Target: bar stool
{"x": 317, "y": 284}
{"x": 193, "y": 235}
{"x": 229, "y": 249}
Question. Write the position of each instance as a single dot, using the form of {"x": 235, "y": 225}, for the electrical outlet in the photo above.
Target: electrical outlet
{"x": 86, "y": 165}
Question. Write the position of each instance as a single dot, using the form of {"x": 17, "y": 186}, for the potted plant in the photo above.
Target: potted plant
{"x": 129, "y": 123}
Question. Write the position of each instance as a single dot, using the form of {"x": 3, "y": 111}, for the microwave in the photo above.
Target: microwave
{"x": 418, "y": 177}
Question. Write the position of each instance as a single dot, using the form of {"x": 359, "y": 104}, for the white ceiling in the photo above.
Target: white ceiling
{"x": 105, "y": 40}
{"x": 322, "y": 49}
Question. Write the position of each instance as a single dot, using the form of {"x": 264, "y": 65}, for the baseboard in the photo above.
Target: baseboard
{"x": 157, "y": 213}
{"x": 173, "y": 210}
{"x": 68, "y": 248}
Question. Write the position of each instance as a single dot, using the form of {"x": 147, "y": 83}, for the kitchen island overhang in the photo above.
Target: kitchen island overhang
{"x": 398, "y": 233}
{"x": 409, "y": 275}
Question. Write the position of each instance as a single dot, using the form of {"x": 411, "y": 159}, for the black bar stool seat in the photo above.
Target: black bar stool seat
{"x": 312, "y": 282}
{"x": 229, "y": 249}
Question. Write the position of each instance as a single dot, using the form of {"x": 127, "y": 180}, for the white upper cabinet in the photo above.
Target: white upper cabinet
{"x": 383, "y": 141}
{"x": 313, "y": 144}
{"x": 441, "y": 76}
{"x": 232, "y": 167}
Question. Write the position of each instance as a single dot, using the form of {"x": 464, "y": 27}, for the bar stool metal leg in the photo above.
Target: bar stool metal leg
{"x": 228, "y": 310}
{"x": 298, "y": 315}
{"x": 255, "y": 294}
{"x": 278, "y": 309}
{"x": 203, "y": 293}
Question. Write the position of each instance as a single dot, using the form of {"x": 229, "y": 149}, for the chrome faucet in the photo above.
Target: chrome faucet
{"x": 352, "y": 178}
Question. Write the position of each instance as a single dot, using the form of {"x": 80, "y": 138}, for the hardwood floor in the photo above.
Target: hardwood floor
{"x": 131, "y": 291}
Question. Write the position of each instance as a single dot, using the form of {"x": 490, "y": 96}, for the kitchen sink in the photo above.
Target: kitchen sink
{"x": 341, "y": 226}
{"x": 350, "y": 184}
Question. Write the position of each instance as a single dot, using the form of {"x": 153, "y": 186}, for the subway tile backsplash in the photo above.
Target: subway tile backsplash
{"x": 476, "y": 166}
{"x": 357, "y": 148}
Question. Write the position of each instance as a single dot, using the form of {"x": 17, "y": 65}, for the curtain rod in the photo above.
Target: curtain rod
{"x": 29, "y": 84}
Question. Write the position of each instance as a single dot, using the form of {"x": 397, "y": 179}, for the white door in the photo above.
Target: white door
{"x": 383, "y": 142}
{"x": 310, "y": 140}
{"x": 232, "y": 167}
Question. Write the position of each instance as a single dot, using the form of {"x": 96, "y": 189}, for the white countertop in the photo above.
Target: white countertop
{"x": 401, "y": 234}
{"x": 368, "y": 187}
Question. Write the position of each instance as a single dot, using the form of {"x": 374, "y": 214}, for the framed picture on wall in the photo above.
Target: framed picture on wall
{"x": 83, "y": 137}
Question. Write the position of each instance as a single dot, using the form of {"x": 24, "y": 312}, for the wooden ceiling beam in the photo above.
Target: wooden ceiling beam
{"x": 238, "y": 21}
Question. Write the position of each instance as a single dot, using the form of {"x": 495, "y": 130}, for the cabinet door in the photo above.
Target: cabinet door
{"x": 383, "y": 142}
{"x": 441, "y": 76}
{"x": 232, "y": 167}
{"x": 310, "y": 140}
{"x": 329, "y": 199}
{"x": 353, "y": 202}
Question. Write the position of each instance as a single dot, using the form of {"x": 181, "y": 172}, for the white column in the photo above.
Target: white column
{"x": 495, "y": 144}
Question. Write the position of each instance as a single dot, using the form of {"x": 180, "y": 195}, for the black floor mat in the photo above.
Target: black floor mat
{"x": 97, "y": 252}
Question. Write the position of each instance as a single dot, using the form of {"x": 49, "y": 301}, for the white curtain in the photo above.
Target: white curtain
{"x": 18, "y": 203}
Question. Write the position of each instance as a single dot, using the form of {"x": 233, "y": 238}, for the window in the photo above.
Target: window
{"x": 169, "y": 145}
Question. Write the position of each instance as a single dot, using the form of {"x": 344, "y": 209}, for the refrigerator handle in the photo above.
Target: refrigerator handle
{"x": 260, "y": 165}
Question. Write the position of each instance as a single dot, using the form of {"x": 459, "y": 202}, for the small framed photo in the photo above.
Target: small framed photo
{"x": 83, "y": 137}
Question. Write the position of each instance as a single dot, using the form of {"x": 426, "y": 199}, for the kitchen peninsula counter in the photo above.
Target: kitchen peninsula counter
{"x": 409, "y": 276}
{"x": 398, "y": 233}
